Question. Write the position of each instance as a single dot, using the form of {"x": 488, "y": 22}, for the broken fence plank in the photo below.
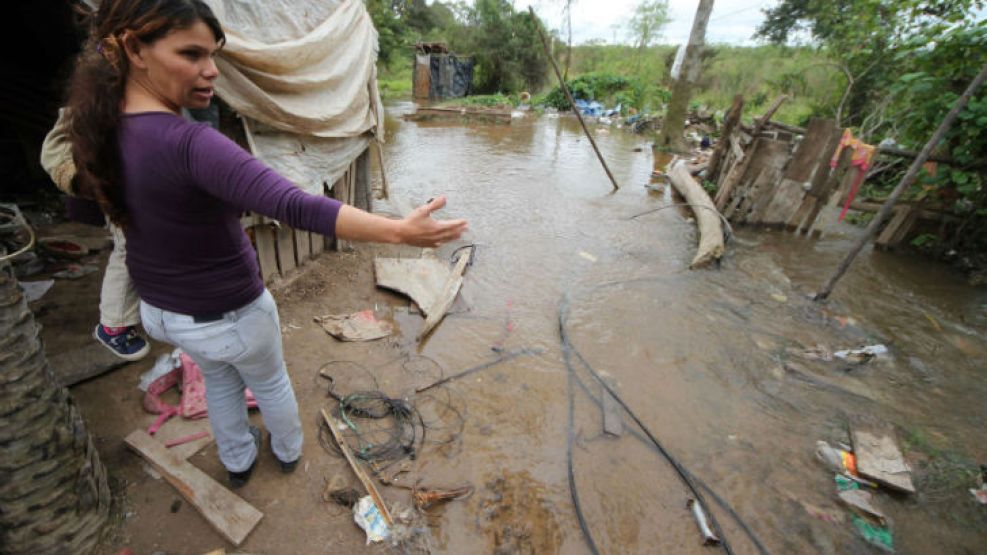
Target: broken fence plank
{"x": 231, "y": 516}
{"x": 449, "y": 291}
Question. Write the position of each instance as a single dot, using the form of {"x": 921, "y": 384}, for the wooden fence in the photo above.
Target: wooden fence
{"x": 281, "y": 248}
{"x": 780, "y": 182}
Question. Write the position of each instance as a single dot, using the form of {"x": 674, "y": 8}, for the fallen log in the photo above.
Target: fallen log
{"x": 707, "y": 217}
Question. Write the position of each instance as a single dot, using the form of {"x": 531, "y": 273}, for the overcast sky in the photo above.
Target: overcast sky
{"x": 732, "y": 21}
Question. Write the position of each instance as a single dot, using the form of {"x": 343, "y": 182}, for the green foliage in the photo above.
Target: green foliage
{"x": 645, "y": 25}
{"x": 608, "y": 89}
{"x": 505, "y": 46}
{"x": 486, "y": 100}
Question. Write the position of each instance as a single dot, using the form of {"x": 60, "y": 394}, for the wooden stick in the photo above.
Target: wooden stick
{"x": 385, "y": 189}
{"x": 449, "y": 291}
{"x": 903, "y": 185}
{"x": 572, "y": 102}
{"x": 729, "y": 122}
{"x": 763, "y": 120}
{"x": 360, "y": 474}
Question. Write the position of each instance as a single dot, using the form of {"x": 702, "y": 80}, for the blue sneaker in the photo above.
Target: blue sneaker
{"x": 127, "y": 344}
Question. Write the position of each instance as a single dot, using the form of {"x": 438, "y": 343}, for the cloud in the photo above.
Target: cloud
{"x": 732, "y": 21}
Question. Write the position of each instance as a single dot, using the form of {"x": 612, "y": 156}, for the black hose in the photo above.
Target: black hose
{"x": 568, "y": 350}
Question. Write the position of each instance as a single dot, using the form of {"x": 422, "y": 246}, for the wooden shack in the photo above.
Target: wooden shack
{"x": 439, "y": 74}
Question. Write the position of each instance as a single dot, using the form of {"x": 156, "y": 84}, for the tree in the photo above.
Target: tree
{"x": 53, "y": 492}
{"x": 674, "y": 124}
{"x": 645, "y": 26}
{"x": 504, "y": 44}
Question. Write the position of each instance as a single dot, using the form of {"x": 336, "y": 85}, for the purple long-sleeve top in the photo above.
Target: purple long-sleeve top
{"x": 185, "y": 185}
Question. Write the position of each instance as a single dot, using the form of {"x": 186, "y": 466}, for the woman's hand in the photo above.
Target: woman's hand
{"x": 420, "y": 230}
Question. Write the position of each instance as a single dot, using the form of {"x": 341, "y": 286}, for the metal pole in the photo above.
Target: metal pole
{"x": 902, "y": 186}
{"x": 572, "y": 103}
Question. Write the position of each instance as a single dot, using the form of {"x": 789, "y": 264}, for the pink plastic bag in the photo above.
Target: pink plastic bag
{"x": 193, "y": 403}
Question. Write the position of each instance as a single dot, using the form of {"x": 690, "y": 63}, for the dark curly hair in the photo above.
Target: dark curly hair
{"x": 96, "y": 89}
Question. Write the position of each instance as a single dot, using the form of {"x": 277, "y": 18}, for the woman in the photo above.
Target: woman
{"x": 177, "y": 188}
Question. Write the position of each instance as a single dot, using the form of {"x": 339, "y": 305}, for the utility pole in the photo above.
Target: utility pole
{"x": 672, "y": 128}
{"x": 903, "y": 185}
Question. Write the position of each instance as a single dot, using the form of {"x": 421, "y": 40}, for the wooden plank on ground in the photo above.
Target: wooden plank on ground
{"x": 231, "y": 516}
{"x": 286, "y": 249}
{"x": 613, "y": 424}
{"x": 442, "y": 303}
{"x": 787, "y": 197}
{"x": 267, "y": 252}
{"x": 878, "y": 457}
{"x": 830, "y": 213}
{"x": 76, "y": 365}
{"x": 177, "y": 428}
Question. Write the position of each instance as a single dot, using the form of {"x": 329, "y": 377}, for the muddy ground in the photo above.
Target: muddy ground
{"x": 718, "y": 364}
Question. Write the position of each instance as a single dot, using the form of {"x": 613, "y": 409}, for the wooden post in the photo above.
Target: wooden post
{"x": 572, "y": 102}
{"x": 906, "y": 182}
{"x": 729, "y": 122}
{"x": 673, "y": 126}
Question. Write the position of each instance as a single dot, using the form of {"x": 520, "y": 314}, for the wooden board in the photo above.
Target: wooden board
{"x": 442, "y": 303}
{"x": 178, "y": 427}
{"x": 231, "y": 516}
{"x": 302, "y": 247}
{"x": 422, "y": 76}
{"x": 267, "y": 253}
{"x": 422, "y": 279}
{"x": 286, "y": 249}
{"x": 878, "y": 457}
{"x": 814, "y": 151}
{"x": 787, "y": 197}
{"x": 72, "y": 367}
{"x": 613, "y": 424}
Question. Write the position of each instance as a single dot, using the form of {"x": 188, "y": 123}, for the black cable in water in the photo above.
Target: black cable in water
{"x": 568, "y": 350}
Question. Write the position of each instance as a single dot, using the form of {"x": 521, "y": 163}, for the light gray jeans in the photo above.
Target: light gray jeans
{"x": 241, "y": 350}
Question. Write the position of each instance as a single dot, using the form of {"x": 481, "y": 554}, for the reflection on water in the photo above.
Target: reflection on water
{"x": 712, "y": 361}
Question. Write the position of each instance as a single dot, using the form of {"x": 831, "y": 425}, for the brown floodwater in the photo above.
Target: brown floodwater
{"x": 710, "y": 361}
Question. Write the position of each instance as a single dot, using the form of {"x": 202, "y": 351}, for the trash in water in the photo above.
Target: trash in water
{"x": 587, "y": 256}
{"x": 840, "y": 461}
{"x": 359, "y": 326}
{"x": 980, "y": 493}
{"x": 367, "y": 516}
{"x": 863, "y": 502}
{"x": 75, "y": 271}
{"x": 862, "y": 355}
{"x": 428, "y": 497}
{"x": 879, "y": 458}
{"x": 878, "y": 536}
{"x": 709, "y": 538}
{"x": 34, "y": 290}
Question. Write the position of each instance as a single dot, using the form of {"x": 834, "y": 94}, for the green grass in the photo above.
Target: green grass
{"x": 394, "y": 83}
{"x": 760, "y": 74}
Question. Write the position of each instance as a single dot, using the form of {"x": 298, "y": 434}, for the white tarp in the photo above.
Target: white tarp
{"x": 303, "y": 73}
{"x": 303, "y": 66}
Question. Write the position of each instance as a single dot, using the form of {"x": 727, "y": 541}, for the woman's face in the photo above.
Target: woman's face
{"x": 178, "y": 69}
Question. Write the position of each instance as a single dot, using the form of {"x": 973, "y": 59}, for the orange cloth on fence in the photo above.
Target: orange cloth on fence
{"x": 863, "y": 153}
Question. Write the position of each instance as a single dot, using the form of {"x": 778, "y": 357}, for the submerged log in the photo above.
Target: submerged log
{"x": 707, "y": 217}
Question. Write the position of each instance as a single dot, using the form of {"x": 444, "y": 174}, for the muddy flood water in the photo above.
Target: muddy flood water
{"x": 718, "y": 364}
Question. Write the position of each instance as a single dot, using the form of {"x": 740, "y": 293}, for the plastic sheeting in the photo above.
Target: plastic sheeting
{"x": 303, "y": 66}
{"x": 306, "y": 160}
